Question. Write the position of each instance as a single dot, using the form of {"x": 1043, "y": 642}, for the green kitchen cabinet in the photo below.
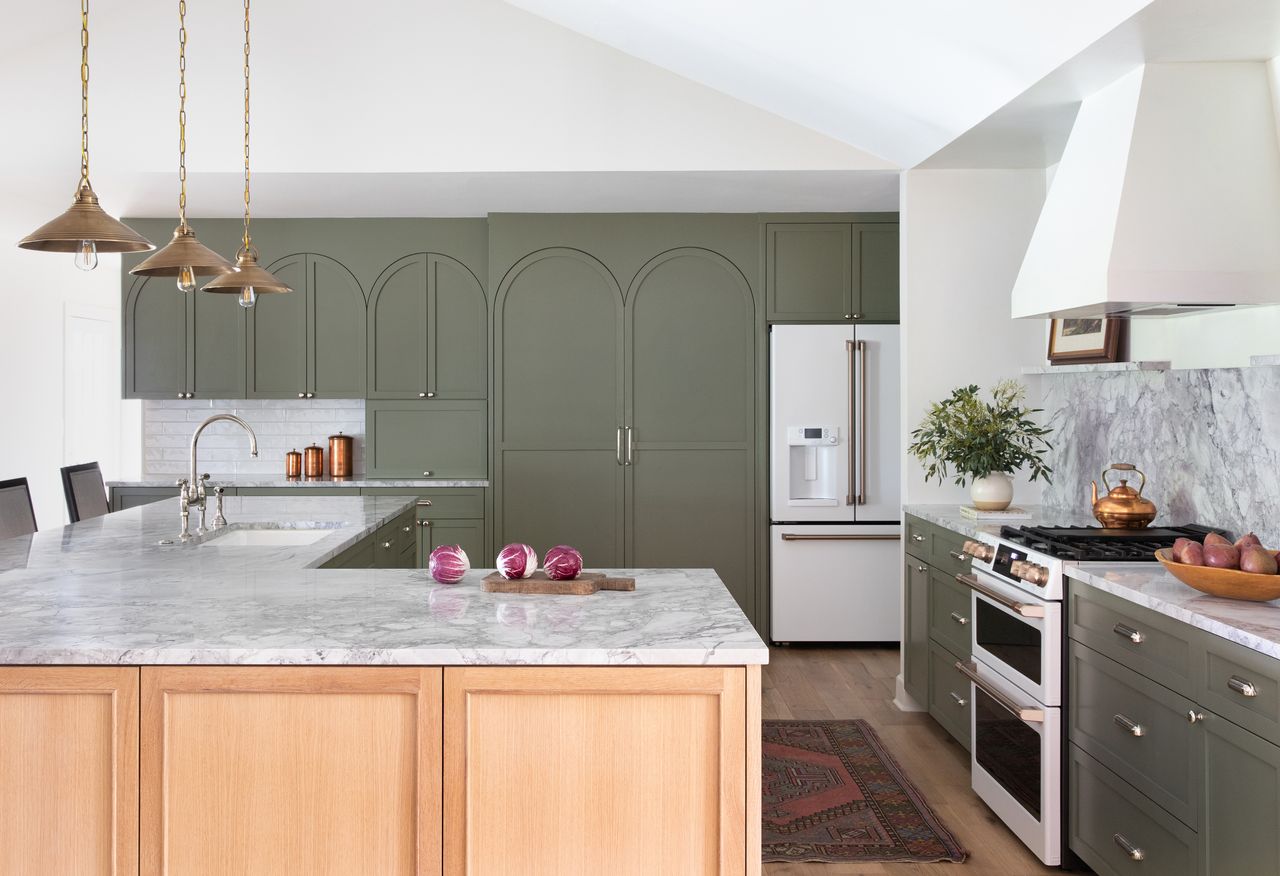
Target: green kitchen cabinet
{"x": 468, "y": 534}
{"x": 428, "y": 330}
{"x": 122, "y": 498}
{"x": 915, "y": 649}
{"x": 1241, "y": 823}
{"x": 430, "y": 439}
{"x": 308, "y": 343}
{"x": 827, "y": 271}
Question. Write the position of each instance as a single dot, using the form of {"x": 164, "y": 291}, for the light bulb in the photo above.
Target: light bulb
{"x": 186, "y": 279}
{"x": 87, "y": 255}
{"x": 248, "y": 296}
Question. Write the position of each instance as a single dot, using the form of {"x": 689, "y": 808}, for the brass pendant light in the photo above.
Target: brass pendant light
{"x": 246, "y": 278}
{"x": 184, "y": 257}
{"x": 85, "y": 228}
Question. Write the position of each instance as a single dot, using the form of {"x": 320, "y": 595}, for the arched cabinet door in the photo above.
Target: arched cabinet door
{"x": 157, "y": 330}
{"x": 690, "y": 403}
{"x": 277, "y": 335}
{"x": 427, "y": 331}
{"x": 218, "y": 345}
{"x": 557, "y": 407}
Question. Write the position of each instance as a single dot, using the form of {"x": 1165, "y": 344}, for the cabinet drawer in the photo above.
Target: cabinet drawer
{"x": 949, "y": 694}
{"x": 1155, "y": 646}
{"x": 464, "y": 502}
{"x": 1242, "y": 686}
{"x": 1139, "y": 729}
{"x": 918, "y": 538}
{"x": 945, "y": 551}
{"x": 949, "y": 613}
{"x": 427, "y": 439}
{"x": 1109, "y": 818}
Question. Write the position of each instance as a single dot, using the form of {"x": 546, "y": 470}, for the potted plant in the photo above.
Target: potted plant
{"x": 985, "y": 441}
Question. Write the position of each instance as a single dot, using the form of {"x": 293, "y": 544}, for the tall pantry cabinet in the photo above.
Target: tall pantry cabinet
{"x": 626, "y": 398}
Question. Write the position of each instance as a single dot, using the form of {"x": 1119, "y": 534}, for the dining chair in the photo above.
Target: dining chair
{"x": 86, "y": 493}
{"x": 17, "y": 514}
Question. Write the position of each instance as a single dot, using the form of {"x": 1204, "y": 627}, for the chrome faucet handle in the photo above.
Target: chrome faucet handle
{"x": 184, "y": 510}
{"x": 218, "y": 519}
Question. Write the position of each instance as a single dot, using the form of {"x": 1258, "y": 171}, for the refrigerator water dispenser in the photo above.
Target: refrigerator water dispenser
{"x": 812, "y": 462}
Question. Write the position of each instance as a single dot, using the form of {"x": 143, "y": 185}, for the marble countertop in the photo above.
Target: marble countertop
{"x": 304, "y": 483}
{"x": 1255, "y": 625}
{"x": 949, "y": 516}
{"x": 105, "y": 591}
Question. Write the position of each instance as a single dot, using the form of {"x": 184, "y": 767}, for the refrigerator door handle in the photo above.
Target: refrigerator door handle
{"x": 857, "y": 404}
{"x": 795, "y": 536}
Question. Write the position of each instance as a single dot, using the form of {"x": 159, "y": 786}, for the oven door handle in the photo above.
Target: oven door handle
{"x": 1029, "y": 714}
{"x": 1024, "y": 609}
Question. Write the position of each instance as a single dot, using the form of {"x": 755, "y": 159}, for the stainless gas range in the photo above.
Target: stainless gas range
{"x": 1018, "y": 641}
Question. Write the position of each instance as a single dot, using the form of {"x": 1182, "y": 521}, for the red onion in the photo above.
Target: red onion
{"x": 516, "y": 561}
{"x": 562, "y": 562}
{"x": 448, "y": 563}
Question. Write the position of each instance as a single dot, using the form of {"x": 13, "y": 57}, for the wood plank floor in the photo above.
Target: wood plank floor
{"x": 833, "y": 683}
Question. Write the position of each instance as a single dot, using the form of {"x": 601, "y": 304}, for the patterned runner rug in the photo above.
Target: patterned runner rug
{"x": 833, "y": 793}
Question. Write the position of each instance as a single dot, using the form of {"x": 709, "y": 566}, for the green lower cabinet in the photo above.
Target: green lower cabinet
{"x": 915, "y": 647}
{"x": 395, "y": 544}
{"x": 1118, "y": 831}
{"x": 358, "y": 556}
{"x": 468, "y": 534}
{"x": 432, "y": 439}
{"x": 949, "y": 695}
{"x": 1241, "y": 824}
{"x": 131, "y": 497}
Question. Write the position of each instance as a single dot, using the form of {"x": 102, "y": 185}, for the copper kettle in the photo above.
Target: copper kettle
{"x": 1123, "y": 507}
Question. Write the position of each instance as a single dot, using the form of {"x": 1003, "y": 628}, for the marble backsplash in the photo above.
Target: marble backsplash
{"x": 1207, "y": 440}
{"x": 280, "y": 424}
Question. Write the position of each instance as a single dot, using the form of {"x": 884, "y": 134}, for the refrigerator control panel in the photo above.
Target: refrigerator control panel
{"x": 812, "y": 436}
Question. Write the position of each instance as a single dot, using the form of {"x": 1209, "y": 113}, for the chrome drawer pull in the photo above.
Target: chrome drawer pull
{"x": 1021, "y": 608}
{"x": 917, "y": 537}
{"x": 959, "y": 618}
{"x": 1133, "y": 852}
{"x": 1242, "y": 687}
{"x": 959, "y": 556}
{"x": 1129, "y": 633}
{"x": 1194, "y": 717}
{"x": 960, "y": 701}
{"x": 1133, "y": 728}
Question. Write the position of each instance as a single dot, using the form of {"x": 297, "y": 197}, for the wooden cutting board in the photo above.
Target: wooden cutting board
{"x": 584, "y": 585}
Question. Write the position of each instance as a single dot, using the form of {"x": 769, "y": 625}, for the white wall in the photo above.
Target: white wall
{"x": 964, "y": 233}
{"x": 38, "y": 287}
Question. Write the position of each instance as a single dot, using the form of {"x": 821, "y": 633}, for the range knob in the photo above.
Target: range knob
{"x": 979, "y": 550}
{"x": 1030, "y": 572}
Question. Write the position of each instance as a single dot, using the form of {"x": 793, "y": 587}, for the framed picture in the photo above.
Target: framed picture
{"x": 1086, "y": 341}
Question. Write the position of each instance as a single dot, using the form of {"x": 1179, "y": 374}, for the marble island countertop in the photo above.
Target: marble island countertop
{"x": 304, "y": 483}
{"x": 105, "y": 591}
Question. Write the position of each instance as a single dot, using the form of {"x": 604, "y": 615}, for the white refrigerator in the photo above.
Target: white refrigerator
{"x": 835, "y": 494}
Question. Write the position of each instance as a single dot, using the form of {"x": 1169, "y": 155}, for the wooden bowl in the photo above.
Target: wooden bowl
{"x": 1229, "y": 583}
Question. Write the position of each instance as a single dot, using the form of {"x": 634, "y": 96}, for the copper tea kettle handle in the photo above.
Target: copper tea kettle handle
{"x": 1124, "y": 466}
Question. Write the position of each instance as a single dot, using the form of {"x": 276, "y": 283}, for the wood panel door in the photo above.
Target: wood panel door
{"x": 69, "y": 770}
{"x": 287, "y": 770}
{"x": 277, "y": 335}
{"x": 336, "y": 334}
{"x": 558, "y": 405}
{"x": 157, "y": 332}
{"x": 585, "y": 771}
{"x": 690, "y": 408}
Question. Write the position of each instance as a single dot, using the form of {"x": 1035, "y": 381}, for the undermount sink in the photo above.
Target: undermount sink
{"x": 267, "y": 537}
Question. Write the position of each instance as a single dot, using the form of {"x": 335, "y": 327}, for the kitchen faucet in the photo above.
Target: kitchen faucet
{"x": 191, "y": 490}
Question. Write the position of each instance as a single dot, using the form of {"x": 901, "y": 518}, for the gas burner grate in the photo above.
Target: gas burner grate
{"x": 1093, "y": 544}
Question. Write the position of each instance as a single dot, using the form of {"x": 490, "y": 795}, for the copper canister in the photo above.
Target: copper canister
{"x": 293, "y": 464}
{"x": 313, "y": 462}
{"x": 341, "y": 456}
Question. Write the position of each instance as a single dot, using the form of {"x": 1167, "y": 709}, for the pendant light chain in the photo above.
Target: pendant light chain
{"x": 84, "y": 92}
{"x": 247, "y": 243}
{"x": 182, "y": 114}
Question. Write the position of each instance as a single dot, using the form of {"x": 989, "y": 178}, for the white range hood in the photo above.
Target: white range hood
{"x": 1167, "y": 199}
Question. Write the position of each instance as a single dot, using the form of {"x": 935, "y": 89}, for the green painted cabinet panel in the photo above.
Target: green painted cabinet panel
{"x": 359, "y": 556}
{"x": 949, "y": 695}
{"x": 431, "y": 439}
{"x": 397, "y": 330}
{"x": 949, "y": 610}
{"x": 550, "y": 497}
{"x": 915, "y": 650}
{"x": 131, "y": 497}
{"x": 1240, "y": 830}
{"x": 809, "y": 270}
{"x": 396, "y": 543}
{"x": 217, "y": 346}
{"x": 335, "y": 330}
{"x": 277, "y": 335}
{"x": 157, "y": 335}
{"x": 875, "y": 271}
{"x": 428, "y": 326}
{"x": 469, "y": 534}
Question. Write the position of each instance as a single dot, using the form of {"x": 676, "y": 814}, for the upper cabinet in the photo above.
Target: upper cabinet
{"x": 825, "y": 271}
{"x": 427, "y": 331}
{"x": 308, "y": 343}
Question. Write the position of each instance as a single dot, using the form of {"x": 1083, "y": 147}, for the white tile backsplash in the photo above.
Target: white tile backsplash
{"x": 280, "y": 424}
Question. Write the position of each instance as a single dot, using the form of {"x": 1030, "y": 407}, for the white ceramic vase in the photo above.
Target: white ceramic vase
{"x": 992, "y": 493}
